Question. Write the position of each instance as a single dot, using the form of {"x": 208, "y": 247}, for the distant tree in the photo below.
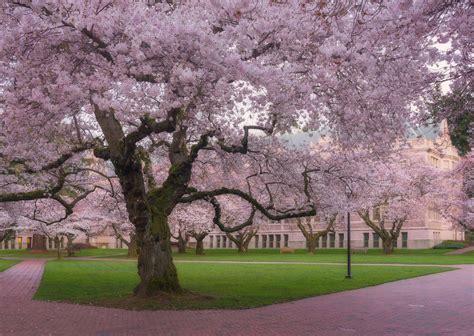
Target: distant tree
{"x": 458, "y": 109}
{"x": 311, "y": 233}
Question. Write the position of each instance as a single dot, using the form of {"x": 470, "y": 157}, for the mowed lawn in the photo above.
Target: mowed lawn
{"x": 5, "y": 264}
{"x": 210, "y": 286}
{"x": 373, "y": 256}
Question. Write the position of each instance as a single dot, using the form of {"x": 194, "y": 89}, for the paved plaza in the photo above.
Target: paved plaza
{"x": 439, "y": 304}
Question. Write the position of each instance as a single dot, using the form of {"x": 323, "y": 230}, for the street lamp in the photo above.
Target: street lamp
{"x": 349, "y": 273}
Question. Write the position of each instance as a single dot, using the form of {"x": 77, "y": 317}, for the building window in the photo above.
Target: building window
{"x": 341, "y": 240}
{"x": 286, "y": 240}
{"x": 325, "y": 241}
{"x": 264, "y": 237}
{"x": 376, "y": 240}
{"x": 224, "y": 241}
{"x": 218, "y": 241}
{"x": 229, "y": 243}
{"x": 395, "y": 243}
{"x": 271, "y": 241}
{"x": 404, "y": 239}
{"x": 332, "y": 240}
{"x": 20, "y": 242}
{"x": 376, "y": 215}
{"x": 12, "y": 244}
{"x": 28, "y": 242}
{"x": 278, "y": 241}
{"x": 211, "y": 241}
{"x": 366, "y": 239}
{"x": 316, "y": 243}
{"x": 5, "y": 244}
{"x": 434, "y": 161}
{"x": 433, "y": 215}
{"x": 256, "y": 241}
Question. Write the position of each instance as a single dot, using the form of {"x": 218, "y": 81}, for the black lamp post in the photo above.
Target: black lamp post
{"x": 349, "y": 273}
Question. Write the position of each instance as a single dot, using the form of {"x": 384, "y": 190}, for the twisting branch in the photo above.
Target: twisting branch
{"x": 34, "y": 194}
{"x": 218, "y": 215}
{"x": 194, "y": 195}
{"x": 244, "y": 143}
{"x": 53, "y": 164}
{"x": 68, "y": 207}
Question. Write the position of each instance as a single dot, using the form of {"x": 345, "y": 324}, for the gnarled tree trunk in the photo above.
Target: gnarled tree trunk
{"x": 200, "y": 247}
{"x": 183, "y": 240}
{"x": 155, "y": 264}
{"x": 387, "y": 243}
{"x": 199, "y": 236}
{"x": 69, "y": 247}
{"x": 132, "y": 247}
{"x": 242, "y": 239}
{"x": 312, "y": 236}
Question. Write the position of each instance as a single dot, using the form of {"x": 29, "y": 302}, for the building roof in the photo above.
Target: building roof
{"x": 430, "y": 132}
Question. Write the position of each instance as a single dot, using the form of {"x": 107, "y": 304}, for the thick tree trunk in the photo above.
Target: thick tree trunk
{"x": 39, "y": 242}
{"x": 70, "y": 251}
{"x": 132, "y": 246}
{"x": 242, "y": 248}
{"x": 58, "y": 247}
{"x": 200, "y": 246}
{"x": 311, "y": 242}
{"x": 155, "y": 264}
{"x": 182, "y": 242}
{"x": 387, "y": 245}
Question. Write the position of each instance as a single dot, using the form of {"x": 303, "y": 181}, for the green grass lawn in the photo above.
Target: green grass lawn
{"x": 53, "y": 253}
{"x": 209, "y": 286}
{"x": 400, "y": 256}
{"x": 4, "y": 264}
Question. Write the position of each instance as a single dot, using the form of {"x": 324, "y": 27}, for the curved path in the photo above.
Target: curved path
{"x": 439, "y": 304}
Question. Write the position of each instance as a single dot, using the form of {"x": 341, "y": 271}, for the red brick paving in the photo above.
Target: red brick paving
{"x": 440, "y": 304}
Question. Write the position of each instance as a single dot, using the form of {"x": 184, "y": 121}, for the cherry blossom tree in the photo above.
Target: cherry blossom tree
{"x": 191, "y": 220}
{"x": 398, "y": 189}
{"x": 234, "y": 212}
{"x": 164, "y": 83}
{"x": 311, "y": 232}
{"x": 8, "y": 221}
{"x": 455, "y": 198}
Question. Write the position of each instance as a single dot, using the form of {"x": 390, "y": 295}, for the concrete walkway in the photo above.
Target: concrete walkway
{"x": 461, "y": 251}
{"x": 439, "y": 304}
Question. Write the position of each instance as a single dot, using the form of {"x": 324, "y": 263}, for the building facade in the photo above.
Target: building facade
{"x": 432, "y": 145}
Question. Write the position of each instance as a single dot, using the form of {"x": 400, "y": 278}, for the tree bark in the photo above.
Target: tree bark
{"x": 58, "y": 247}
{"x": 182, "y": 242}
{"x": 132, "y": 247}
{"x": 200, "y": 246}
{"x": 241, "y": 248}
{"x": 70, "y": 251}
{"x": 311, "y": 241}
{"x": 387, "y": 245}
{"x": 155, "y": 263}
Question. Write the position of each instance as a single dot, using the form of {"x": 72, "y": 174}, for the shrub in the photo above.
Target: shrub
{"x": 79, "y": 246}
{"x": 451, "y": 244}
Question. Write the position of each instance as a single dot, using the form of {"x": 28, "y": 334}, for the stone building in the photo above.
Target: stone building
{"x": 431, "y": 144}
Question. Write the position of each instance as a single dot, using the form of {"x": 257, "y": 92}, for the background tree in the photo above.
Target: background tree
{"x": 196, "y": 219}
{"x": 400, "y": 189}
{"x": 310, "y": 232}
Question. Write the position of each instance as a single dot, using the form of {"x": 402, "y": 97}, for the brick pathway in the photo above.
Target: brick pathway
{"x": 440, "y": 304}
